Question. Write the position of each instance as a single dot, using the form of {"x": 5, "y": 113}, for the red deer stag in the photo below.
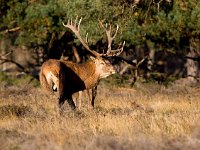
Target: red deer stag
{"x": 66, "y": 78}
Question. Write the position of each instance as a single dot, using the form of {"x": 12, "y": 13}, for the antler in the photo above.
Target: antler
{"x": 76, "y": 29}
{"x": 108, "y": 31}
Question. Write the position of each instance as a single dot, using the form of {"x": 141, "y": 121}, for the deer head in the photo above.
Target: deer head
{"x": 103, "y": 66}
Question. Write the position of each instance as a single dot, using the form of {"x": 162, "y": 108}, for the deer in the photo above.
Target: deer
{"x": 65, "y": 78}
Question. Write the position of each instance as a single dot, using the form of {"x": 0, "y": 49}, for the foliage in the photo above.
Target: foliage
{"x": 4, "y": 78}
{"x": 147, "y": 117}
{"x": 20, "y": 81}
{"x": 164, "y": 22}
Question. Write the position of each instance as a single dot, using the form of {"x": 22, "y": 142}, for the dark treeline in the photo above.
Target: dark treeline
{"x": 163, "y": 32}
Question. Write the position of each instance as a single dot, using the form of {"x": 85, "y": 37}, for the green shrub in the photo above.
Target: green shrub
{"x": 18, "y": 81}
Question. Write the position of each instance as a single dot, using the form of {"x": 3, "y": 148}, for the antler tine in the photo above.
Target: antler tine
{"x": 79, "y": 23}
{"x": 71, "y": 22}
{"x": 86, "y": 38}
{"x": 68, "y": 21}
{"x": 111, "y": 38}
{"x": 75, "y": 22}
{"x": 116, "y": 31}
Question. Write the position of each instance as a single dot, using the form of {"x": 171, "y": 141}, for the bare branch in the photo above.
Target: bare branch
{"x": 6, "y": 54}
{"x": 4, "y": 60}
{"x": 10, "y": 30}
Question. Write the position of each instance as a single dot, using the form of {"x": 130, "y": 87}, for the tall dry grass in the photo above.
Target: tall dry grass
{"x": 148, "y": 116}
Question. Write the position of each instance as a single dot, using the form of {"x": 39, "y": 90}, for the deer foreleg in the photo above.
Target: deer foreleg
{"x": 79, "y": 99}
{"x": 89, "y": 99}
{"x": 94, "y": 94}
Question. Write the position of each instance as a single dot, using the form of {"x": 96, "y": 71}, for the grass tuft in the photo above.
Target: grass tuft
{"x": 15, "y": 110}
{"x": 147, "y": 116}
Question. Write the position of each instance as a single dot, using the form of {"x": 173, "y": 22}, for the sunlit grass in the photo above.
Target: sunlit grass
{"x": 147, "y": 116}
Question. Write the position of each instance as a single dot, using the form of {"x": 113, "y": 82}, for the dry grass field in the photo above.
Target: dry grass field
{"x": 147, "y": 117}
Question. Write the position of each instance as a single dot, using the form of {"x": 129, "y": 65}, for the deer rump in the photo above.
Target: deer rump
{"x": 69, "y": 82}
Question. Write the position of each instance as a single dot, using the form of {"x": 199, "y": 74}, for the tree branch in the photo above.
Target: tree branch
{"x": 10, "y": 30}
{"x": 4, "y": 60}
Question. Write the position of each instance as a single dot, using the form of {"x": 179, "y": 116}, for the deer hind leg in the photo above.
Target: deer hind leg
{"x": 71, "y": 102}
{"x": 61, "y": 102}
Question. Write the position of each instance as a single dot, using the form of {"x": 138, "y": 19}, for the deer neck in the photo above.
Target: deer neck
{"x": 88, "y": 73}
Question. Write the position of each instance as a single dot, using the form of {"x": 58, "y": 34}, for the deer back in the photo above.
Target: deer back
{"x": 86, "y": 72}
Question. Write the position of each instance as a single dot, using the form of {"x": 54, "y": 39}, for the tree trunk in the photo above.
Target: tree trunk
{"x": 192, "y": 65}
{"x": 151, "y": 57}
{"x": 4, "y": 45}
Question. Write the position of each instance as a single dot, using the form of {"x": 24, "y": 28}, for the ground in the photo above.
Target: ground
{"x": 146, "y": 116}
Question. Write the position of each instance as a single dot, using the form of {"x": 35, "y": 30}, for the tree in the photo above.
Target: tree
{"x": 166, "y": 24}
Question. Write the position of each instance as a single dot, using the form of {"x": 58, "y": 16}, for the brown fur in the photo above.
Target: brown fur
{"x": 66, "y": 78}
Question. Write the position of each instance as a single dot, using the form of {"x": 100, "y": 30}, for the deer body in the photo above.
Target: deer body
{"x": 66, "y": 78}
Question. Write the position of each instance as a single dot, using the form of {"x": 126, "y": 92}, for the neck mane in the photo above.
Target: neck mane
{"x": 86, "y": 71}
